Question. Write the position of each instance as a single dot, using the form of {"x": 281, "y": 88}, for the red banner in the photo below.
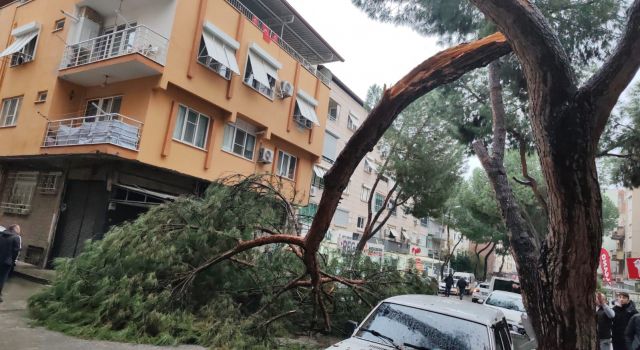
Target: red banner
{"x": 605, "y": 266}
{"x": 633, "y": 266}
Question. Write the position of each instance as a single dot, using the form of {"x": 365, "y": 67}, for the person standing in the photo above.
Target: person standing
{"x": 624, "y": 310}
{"x": 605, "y": 317}
{"x": 448, "y": 282}
{"x": 9, "y": 249}
{"x": 632, "y": 333}
{"x": 462, "y": 286}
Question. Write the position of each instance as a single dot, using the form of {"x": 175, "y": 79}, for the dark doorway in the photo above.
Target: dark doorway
{"x": 119, "y": 213}
{"x": 82, "y": 217}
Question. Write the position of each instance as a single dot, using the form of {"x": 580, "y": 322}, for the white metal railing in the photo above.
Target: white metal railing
{"x": 110, "y": 128}
{"x": 139, "y": 39}
{"x": 275, "y": 37}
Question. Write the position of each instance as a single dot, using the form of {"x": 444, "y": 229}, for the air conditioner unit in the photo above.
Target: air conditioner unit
{"x": 286, "y": 89}
{"x": 265, "y": 155}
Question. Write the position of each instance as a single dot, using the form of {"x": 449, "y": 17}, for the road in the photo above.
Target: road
{"x": 16, "y": 334}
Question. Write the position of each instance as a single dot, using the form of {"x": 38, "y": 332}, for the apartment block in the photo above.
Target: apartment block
{"x": 404, "y": 239}
{"x": 109, "y": 107}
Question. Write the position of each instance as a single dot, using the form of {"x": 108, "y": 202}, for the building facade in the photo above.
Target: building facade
{"x": 109, "y": 107}
{"x": 404, "y": 240}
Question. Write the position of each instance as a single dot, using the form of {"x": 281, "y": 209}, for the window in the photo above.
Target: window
{"x": 19, "y": 192}
{"x": 58, "y": 25}
{"x": 191, "y": 127}
{"x": 102, "y": 106}
{"x": 240, "y": 139}
{"x": 304, "y": 113}
{"x": 334, "y": 110}
{"x": 341, "y": 218}
{"x": 379, "y": 202}
{"x": 352, "y": 123}
{"x": 10, "y": 109}
{"x": 368, "y": 165}
{"x": 218, "y": 51}
{"x": 422, "y": 328}
{"x": 261, "y": 73}
{"x": 306, "y": 214}
{"x": 360, "y": 223}
{"x": 318, "y": 177}
{"x": 330, "y": 150}
{"x": 42, "y": 96}
{"x": 286, "y": 165}
{"x": 366, "y": 192}
{"x": 48, "y": 182}
{"x": 23, "y": 47}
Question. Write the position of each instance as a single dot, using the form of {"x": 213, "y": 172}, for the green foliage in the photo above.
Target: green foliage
{"x": 123, "y": 287}
{"x": 462, "y": 263}
{"x": 422, "y": 159}
{"x": 621, "y": 142}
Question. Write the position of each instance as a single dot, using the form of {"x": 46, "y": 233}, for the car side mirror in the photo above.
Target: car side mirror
{"x": 350, "y": 327}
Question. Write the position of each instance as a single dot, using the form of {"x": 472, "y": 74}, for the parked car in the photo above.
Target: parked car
{"x": 429, "y": 322}
{"x": 505, "y": 284}
{"x": 511, "y": 305}
{"x": 481, "y": 292}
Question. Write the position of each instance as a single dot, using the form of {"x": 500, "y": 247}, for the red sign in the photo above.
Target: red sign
{"x": 633, "y": 267}
{"x": 605, "y": 266}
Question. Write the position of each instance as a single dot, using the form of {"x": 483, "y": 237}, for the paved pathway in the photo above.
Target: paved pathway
{"x": 16, "y": 334}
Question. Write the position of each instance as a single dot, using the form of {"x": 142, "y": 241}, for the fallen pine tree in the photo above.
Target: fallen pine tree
{"x": 130, "y": 286}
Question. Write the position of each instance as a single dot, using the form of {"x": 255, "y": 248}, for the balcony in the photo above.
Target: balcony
{"x": 113, "y": 129}
{"x": 396, "y": 247}
{"x": 126, "y": 54}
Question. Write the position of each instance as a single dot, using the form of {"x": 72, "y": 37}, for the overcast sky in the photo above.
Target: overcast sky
{"x": 374, "y": 52}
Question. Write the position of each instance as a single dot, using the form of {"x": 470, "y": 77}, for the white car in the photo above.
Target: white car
{"x": 481, "y": 292}
{"x": 430, "y": 322}
{"x": 513, "y": 308}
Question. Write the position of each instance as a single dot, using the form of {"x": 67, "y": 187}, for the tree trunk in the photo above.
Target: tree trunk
{"x": 448, "y": 257}
{"x": 486, "y": 260}
{"x": 502, "y": 264}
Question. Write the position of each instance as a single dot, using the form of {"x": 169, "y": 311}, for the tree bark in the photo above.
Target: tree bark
{"x": 448, "y": 258}
{"x": 486, "y": 260}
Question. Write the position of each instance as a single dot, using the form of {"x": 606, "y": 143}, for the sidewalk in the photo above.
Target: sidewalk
{"x": 16, "y": 334}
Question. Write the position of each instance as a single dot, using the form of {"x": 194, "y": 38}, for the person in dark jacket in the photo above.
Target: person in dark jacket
{"x": 632, "y": 334}
{"x": 462, "y": 287}
{"x": 9, "y": 250}
{"x": 605, "y": 317}
{"x": 448, "y": 282}
{"x": 624, "y": 310}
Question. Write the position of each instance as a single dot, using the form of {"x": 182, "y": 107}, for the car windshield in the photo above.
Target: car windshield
{"x": 424, "y": 329}
{"x": 509, "y": 302}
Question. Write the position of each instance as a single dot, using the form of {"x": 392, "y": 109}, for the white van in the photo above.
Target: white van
{"x": 469, "y": 277}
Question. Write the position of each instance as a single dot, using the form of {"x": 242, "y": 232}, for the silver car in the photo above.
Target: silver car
{"x": 430, "y": 322}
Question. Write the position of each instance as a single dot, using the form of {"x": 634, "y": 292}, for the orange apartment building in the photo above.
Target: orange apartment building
{"x": 109, "y": 107}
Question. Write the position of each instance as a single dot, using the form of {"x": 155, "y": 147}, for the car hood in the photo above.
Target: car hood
{"x": 512, "y": 316}
{"x": 357, "y": 344}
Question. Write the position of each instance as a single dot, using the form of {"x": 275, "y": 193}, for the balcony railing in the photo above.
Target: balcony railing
{"x": 114, "y": 129}
{"x": 139, "y": 39}
{"x": 283, "y": 44}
